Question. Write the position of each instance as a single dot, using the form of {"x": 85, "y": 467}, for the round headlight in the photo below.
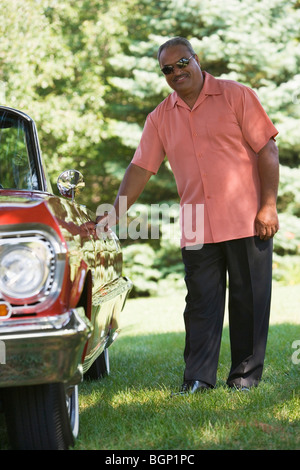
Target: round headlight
{"x": 23, "y": 271}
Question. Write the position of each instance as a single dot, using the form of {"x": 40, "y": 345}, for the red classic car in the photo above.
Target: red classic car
{"x": 61, "y": 293}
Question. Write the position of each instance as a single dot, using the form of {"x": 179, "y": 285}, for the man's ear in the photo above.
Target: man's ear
{"x": 197, "y": 60}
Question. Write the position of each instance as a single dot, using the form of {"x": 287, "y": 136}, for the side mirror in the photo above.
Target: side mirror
{"x": 70, "y": 183}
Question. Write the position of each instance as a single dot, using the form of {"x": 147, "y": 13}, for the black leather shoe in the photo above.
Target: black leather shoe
{"x": 192, "y": 386}
{"x": 240, "y": 388}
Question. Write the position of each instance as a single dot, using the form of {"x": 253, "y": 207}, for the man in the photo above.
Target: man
{"x": 220, "y": 145}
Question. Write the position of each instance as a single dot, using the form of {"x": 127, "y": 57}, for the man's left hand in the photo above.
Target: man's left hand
{"x": 266, "y": 222}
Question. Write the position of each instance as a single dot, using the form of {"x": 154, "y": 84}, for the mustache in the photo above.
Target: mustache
{"x": 178, "y": 77}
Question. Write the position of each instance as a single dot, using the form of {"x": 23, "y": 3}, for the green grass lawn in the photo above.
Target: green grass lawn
{"x": 133, "y": 409}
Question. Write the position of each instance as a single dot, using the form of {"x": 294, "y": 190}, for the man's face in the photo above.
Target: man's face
{"x": 185, "y": 80}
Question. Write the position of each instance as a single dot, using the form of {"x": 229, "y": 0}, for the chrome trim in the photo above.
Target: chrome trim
{"x": 45, "y": 350}
{"x": 113, "y": 290}
{"x": 32, "y": 230}
{"x": 19, "y": 325}
{"x": 16, "y": 111}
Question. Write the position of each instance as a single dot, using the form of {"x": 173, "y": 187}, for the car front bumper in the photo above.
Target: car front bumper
{"x": 43, "y": 350}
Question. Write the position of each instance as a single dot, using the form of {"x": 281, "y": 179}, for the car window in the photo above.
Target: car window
{"x": 17, "y": 170}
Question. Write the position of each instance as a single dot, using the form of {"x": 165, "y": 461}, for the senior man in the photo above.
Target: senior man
{"x": 220, "y": 144}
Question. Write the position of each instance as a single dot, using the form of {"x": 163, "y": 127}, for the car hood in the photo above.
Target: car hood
{"x": 25, "y": 207}
{"x": 66, "y": 217}
{"x": 32, "y": 207}
{"x": 10, "y": 197}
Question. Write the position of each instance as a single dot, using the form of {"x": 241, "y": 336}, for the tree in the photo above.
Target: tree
{"x": 249, "y": 41}
{"x": 86, "y": 71}
{"x": 53, "y": 60}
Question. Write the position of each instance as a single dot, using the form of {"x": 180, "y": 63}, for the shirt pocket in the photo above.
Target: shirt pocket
{"x": 224, "y": 131}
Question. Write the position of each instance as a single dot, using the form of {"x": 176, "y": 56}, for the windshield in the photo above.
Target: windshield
{"x": 17, "y": 169}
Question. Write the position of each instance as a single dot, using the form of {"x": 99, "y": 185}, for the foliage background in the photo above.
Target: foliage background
{"x": 86, "y": 71}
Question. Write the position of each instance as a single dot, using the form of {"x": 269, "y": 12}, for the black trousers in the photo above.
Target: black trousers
{"x": 248, "y": 262}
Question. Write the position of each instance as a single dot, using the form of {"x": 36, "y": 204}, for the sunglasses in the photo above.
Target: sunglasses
{"x": 181, "y": 64}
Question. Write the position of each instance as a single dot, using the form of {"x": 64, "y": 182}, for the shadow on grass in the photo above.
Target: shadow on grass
{"x": 156, "y": 360}
{"x": 132, "y": 408}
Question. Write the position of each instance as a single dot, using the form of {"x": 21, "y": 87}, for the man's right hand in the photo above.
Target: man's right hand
{"x": 104, "y": 222}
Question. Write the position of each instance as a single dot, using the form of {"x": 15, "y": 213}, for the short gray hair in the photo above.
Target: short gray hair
{"x": 175, "y": 42}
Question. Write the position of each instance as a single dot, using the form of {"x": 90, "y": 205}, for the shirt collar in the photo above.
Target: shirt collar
{"x": 211, "y": 86}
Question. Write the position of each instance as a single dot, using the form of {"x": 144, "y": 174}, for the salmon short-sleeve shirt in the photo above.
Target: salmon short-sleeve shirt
{"x": 212, "y": 150}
